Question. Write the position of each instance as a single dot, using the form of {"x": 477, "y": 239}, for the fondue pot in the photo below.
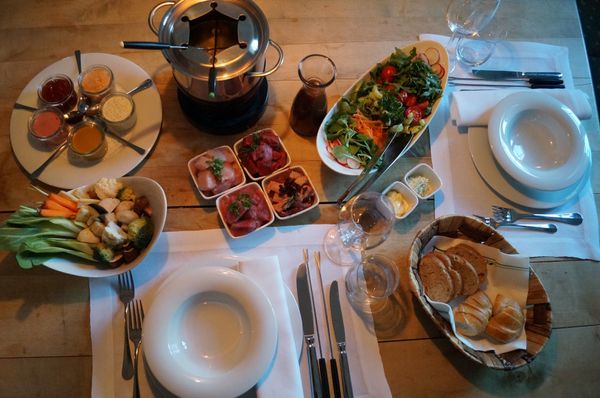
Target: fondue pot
{"x": 224, "y": 45}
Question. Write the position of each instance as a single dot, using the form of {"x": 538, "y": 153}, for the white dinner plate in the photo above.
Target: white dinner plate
{"x": 119, "y": 159}
{"x": 321, "y": 141}
{"x": 509, "y": 188}
{"x": 211, "y": 331}
{"x": 538, "y": 141}
{"x": 158, "y": 201}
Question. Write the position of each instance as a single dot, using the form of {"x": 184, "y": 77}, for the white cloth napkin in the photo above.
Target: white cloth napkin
{"x": 213, "y": 247}
{"x": 474, "y": 108}
{"x": 465, "y": 192}
{"x": 283, "y": 379}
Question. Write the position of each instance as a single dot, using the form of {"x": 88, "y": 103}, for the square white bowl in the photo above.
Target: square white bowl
{"x": 252, "y": 185}
{"x": 424, "y": 170}
{"x": 236, "y": 148}
{"x": 284, "y": 173}
{"x": 237, "y": 164}
{"x": 407, "y": 194}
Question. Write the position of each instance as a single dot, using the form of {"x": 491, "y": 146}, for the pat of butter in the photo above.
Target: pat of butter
{"x": 400, "y": 204}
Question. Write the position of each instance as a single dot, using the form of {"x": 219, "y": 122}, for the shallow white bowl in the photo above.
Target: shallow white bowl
{"x": 408, "y": 195}
{"x": 237, "y": 164}
{"x": 424, "y": 170}
{"x": 265, "y": 183}
{"x": 238, "y": 143}
{"x": 210, "y": 332}
{"x": 538, "y": 141}
{"x": 158, "y": 201}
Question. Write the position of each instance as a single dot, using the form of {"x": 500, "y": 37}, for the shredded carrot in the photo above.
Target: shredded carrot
{"x": 370, "y": 128}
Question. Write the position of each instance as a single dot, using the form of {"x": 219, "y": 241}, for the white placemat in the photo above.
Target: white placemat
{"x": 465, "y": 192}
{"x": 176, "y": 249}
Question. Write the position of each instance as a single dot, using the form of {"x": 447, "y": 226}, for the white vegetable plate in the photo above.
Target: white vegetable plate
{"x": 158, "y": 201}
{"x": 326, "y": 157}
{"x": 211, "y": 331}
{"x": 538, "y": 141}
{"x": 119, "y": 159}
{"x": 509, "y": 188}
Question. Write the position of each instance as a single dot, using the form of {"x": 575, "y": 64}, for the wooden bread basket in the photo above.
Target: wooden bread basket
{"x": 538, "y": 325}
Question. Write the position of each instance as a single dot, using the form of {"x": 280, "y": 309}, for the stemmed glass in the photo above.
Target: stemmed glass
{"x": 364, "y": 222}
{"x": 467, "y": 18}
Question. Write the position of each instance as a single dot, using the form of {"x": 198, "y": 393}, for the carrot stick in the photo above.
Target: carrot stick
{"x": 69, "y": 204}
{"x": 51, "y": 204}
{"x": 56, "y": 213}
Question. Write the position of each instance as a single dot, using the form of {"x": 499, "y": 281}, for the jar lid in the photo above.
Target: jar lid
{"x": 229, "y": 35}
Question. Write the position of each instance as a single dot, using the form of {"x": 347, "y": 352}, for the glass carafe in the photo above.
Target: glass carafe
{"x": 310, "y": 104}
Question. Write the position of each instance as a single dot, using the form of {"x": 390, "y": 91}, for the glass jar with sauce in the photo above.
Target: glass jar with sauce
{"x": 309, "y": 108}
{"x": 47, "y": 127}
{"x": 58, "y": 91}
{"x": 95, "y": 82}
{"x": 87, "y": 141}
{"x": 118, "y": 112}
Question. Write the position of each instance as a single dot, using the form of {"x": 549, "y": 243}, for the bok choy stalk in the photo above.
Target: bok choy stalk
{"x": 37, "y": 239}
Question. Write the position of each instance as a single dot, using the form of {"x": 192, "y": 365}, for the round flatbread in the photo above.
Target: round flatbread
{"x": 436, "y": 280}
{"x": 470, "y": 280}
{"x": 472, "y": 256}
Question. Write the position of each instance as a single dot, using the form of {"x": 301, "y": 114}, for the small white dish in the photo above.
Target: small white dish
{"x": 509, "y": 188}
{"x": 210, "y": 331}
{"x": 158, "y": 201}
{"x": 239, "y": 145}
{"x": 280, "y": 176}
{"x": 423, "y": 170}
{"x": 407, "y": 196}
{"x": 193, "y": 169}
{"x": 259, "y": 200}
{"x": 538, "y": 141}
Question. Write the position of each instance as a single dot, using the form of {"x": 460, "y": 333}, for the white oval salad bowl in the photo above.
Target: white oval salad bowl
{"x": 428, "y": 51}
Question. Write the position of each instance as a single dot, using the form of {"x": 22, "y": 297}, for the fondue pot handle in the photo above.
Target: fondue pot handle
{"x": 274, "y": 68}
{"x": 153, "y": 12}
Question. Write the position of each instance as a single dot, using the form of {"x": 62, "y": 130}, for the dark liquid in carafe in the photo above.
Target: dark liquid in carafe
{"x": 308, "y": 110}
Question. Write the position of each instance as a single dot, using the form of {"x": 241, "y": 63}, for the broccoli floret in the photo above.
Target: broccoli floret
{"x": 103, "y": 253}
{"x": 140, "y": 232}
{"x": 126, "y": 193}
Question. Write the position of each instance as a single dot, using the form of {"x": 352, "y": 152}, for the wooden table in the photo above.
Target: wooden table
{"x": 45, "y": 347}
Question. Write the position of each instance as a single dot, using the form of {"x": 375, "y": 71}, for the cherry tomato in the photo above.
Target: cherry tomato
{"x": 416, "y": 112}
{"x": 411, "y": 100}
{"x": 388, "y": 72}
{"x": 423, "y": 105}
{"x": 389, "y": 87}
{"x": 402, "y": 95}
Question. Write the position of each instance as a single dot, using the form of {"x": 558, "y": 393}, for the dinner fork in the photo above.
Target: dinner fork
{"x": 134, "y": 322}
{"x": 549, "y": 228}
{"x": 511, "y": 215}
{"x": 126, "y": 294}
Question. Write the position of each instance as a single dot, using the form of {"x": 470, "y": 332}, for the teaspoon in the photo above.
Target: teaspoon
{"x": 35, "y": 173}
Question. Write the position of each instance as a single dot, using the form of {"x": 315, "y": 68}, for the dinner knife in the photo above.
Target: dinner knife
{"x": 509, "y": 74}
{"x": 340, "y": 336}
{"x": 306, "y": 313}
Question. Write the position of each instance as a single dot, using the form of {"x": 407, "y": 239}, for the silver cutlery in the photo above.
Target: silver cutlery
{"x": 511, "y": 215}
{"x": 511, "y": 74}
{"x": 332, "y": 361}
{"x": 531, "y": 83}
{"x": 78, "y": 60}
{"x": 340, "y": 336}
{"x": 308, "y": 328}
{"x": 126, "y": 294}
{"x": 35, "y": 173}
{"x": 125, "y": 142}
{"x": 134, "y": 320}
{"x": 548, "y": 228}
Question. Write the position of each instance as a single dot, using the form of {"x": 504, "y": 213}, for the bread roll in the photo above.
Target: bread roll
{"x": 436, "y": 280}
{"x": 472, "y": 315}
{"x": 507, "y": 320}
{"x": 472, "y": 256}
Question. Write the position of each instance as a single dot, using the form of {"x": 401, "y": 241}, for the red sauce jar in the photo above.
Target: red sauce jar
{"x": 58, "y": 91}
{"x": 47, "y": 127}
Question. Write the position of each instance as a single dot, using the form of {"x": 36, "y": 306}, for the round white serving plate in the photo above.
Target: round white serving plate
{"x": 210, "y": 331}
{"x": 119, "y": 159}
{"x": 509, "y": 188}
{"x": 158, "y": 201}
{"x": 538, "y": 141}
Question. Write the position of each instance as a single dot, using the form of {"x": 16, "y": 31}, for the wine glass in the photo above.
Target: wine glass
{"x": 467, "y": 18}
{"x": 364, "y": 222}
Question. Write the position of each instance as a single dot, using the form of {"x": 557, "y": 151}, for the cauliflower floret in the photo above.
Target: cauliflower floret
{"x": 113, "y": 235}
{"x": 107, "y": 188}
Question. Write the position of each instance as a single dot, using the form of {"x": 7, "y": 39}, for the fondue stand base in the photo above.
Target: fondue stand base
{"x": 229, "y": 116}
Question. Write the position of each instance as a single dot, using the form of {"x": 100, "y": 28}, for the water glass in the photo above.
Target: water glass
{"x": 371, "y": 282}
{"x": 477, "y": 49}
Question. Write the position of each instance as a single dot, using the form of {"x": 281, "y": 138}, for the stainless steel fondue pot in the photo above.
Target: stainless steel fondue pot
{"x": 226, "y": 44}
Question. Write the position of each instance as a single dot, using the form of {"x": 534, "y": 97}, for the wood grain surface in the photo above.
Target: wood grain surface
{"x": 45, "y": 348}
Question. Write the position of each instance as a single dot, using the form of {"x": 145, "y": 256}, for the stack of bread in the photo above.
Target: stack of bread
{"x": 459, "y": 271}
